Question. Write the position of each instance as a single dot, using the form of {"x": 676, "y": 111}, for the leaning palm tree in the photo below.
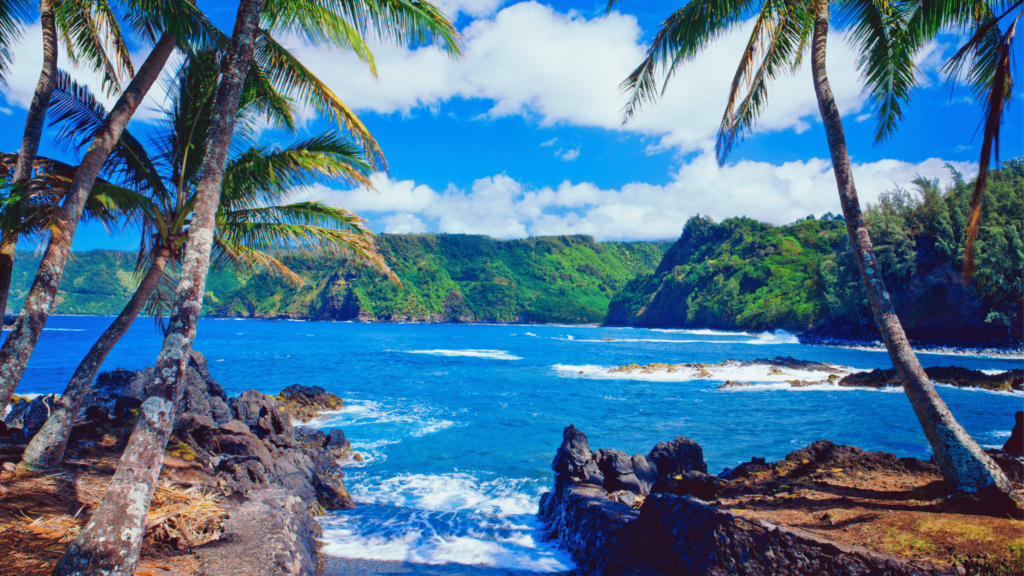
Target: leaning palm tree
{"x": 110, "y": 544}
{"x": 91, "y": 36}
{"x": 782, "y": 32}
{"x": 178, "y": 22}
{"x": 166, "y": 23}
{"x": 251, "y": 227}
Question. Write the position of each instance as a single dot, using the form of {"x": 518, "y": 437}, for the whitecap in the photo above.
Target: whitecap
{"x": 490, "y": 354}
{"x": 701, "y": 332}
{"x": 757, "y": 373}
{"x": 433, "y": 426}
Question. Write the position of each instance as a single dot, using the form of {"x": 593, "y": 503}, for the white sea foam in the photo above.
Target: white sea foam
{"x": 359, "y": 412}
{"x": 65, "y": 329}
{"x": 701, "y": 332}
{"x": 438, "y": 518}
{"x": 776, "y": 337}
{"x": 433, "y": 426}
{"x": 758, "y": 373}
{"x": 1001, "y": 433}
{"x": 977, "y": 389}
{"x": 491, "y": 354}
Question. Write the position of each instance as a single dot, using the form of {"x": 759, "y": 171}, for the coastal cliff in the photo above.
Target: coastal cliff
{"x": 742, "y": 274}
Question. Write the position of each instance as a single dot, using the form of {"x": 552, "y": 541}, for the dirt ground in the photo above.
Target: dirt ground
{"x": 893, "y": 506}
{"x": 41, "y": 514}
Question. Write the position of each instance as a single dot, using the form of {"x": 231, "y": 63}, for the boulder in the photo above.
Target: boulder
{"x": 622, "y": 472}
{"x": 203, "y": 396}
{"x": 30, "y": 415}
{"x": 265, "y": 416}
{"x": 595, "y": 529}
{"x": 307, "y": 402}
{"x": 1015, "y": 444}
{"x": 679, "y": 455}
{"x": 696, "y": 484}
{"x": 1011, "y": 464}
{"x": 573, "y": 461}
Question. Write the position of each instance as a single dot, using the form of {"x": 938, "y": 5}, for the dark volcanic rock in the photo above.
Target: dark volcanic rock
{"x": 202, "y": 396}
{"x": 683, "y": 535}
{"x": 951, "y": 375}
{"x": 1015, "y": 444}
{"x": 30, "y": 415}
{"x": 679, "y": 455}
{"x": 574, "y": 461}
{"x": 307, "y": 402}
{"x": 825, "y": 454}
{"x": 595, "y": 529}
{"x": 265, "y": 416}
{"x": 1012, "y": 464}
{"x": 696, "y": 484}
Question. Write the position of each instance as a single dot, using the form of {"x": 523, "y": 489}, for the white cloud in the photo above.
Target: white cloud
{"x": 501, "y": 207}
{"x": 550, "y": 142}
{"x": 28, "y": 62}
{"x": 403, "y": 224}
{"x": 568, "y": 155}
{"x": 530, "y": 60}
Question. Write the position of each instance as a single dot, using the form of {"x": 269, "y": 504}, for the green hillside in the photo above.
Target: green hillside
{"x": 446, "y": 277}
{"x": 744, "y": 274}
{"x": 455, "y": 278}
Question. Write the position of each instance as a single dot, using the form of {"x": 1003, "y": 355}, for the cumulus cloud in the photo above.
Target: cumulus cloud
{"x": 531, "y": 60}
{"x": 502, "y": 207}
{"x": 568, "y": 155}
{"x": 28, "y": 62}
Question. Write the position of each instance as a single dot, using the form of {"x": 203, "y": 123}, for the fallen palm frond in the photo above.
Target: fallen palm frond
{"x": 31, "y": 542}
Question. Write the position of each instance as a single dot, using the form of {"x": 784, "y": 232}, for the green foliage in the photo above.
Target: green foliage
{"x": 749, "y": 275}
{"x": 445, "y": 277}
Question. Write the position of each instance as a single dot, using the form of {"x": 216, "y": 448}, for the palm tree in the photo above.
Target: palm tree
{"x": 250, "y": 229}
{"x": 173, "y": 20}
{"x": 782, "y": 32}
{"x": 110, "y": 544}
{"x": 91, "y": 33}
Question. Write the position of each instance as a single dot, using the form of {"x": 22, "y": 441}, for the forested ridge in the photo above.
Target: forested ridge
{"x": 445, "y": 277}
{"x": 744, "y": 274}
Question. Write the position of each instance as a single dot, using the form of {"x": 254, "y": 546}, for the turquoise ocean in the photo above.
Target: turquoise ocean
{"x": 458, "y": 423}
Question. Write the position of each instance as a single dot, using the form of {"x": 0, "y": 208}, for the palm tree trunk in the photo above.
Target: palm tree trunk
{"x": 21, "y": 342}
{"x": 962, "y": 462}
{"x": 109, "y": 546}
{"x": 46, "y": 450}
{"x": 31, "y": 137}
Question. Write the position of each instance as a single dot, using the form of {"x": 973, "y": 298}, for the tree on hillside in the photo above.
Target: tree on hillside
{"x": 110, "y": 544}
{"x": 250, "y": 227}
{"x": 91, "y": 34}
{"x": 888, "y": 36}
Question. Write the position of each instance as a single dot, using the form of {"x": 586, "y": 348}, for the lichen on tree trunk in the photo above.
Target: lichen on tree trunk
{"x": 110, "y": 543}
{"x": 21, "y": 342}
{"x": 961, "y": 460}
{"x": 46, "y": 449}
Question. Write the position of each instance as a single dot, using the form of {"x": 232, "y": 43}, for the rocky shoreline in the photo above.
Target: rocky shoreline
{"x": 662, "y": 513}
{"x": 270, "y": 478}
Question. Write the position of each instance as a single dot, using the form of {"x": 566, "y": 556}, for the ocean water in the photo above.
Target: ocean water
{"x": 458, "y": 424}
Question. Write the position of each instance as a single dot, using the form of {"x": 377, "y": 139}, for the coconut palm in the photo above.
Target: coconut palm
{"x": 341, "y": 23}
{"x": 782, "y": 32}
{"x": 173, "y": 21}
{"x": 251, "y": 227}
{"x": 110, "y": 544}
{"x": 92, "y": 36}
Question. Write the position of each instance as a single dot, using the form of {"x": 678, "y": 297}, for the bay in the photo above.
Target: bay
{"x": 458, "y": 423}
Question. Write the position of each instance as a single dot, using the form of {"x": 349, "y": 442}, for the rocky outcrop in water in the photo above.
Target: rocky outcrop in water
{"x": 951, "y": 375}
{"x": 1015, "y": 444}
{"x": 307, "y": 402}
{"x": 677, "y": 530}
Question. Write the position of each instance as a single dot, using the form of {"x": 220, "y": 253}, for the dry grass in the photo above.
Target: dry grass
{"x": 41, "y": 515}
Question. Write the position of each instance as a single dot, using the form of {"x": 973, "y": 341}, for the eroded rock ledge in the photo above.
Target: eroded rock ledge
{"x": 671, "y": 528}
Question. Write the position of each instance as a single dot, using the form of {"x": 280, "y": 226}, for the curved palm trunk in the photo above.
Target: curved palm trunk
{"x": 32, "y": 135}
{"x": 21, "y": 342}
{"x": 109, "y": 546}
{"x": 46, "y": 450}
{"x": 963, "y": 463}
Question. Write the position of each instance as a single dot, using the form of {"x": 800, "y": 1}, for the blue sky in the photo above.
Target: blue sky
{"x": 523, "y": 136}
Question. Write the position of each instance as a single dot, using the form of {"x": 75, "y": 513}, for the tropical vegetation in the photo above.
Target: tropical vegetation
{"x": 748, "y": 275}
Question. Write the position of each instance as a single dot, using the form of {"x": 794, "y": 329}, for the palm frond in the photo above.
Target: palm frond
{"x": 880, "y": 31}
{"x": 191, "y": 28}
{"x": 244, "y": 258}
{"x": 991, "y": 77}
{"x": 263, "y": 176}
{"x": 92, "y": 36}
{"x": 305, "y": 226}
{"x": 13, "y": 15}
{"x": 291, "y": 77}
{"x": 320, "y": 26}
{"x": 780, "y": 34}
{"x": 684, "y": 34}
